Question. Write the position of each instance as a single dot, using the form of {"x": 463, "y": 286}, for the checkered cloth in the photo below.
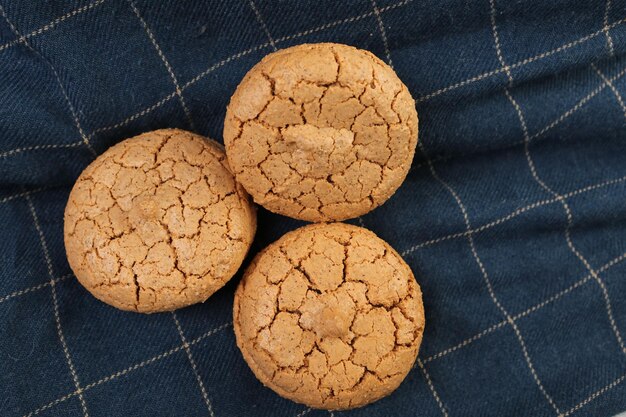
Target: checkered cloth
{"x": 513, "y": 216}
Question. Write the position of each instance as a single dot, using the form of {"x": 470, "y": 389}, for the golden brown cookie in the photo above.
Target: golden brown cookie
{"x": 321, "y": 132}
{"x": 329, "y": 316}
{"x": 157, "y": 222}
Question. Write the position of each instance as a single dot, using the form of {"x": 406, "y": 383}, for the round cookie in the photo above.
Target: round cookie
{"x": 329, "y": 316}
{"x": 157, "y": 222}
{"x": 321, "y": 132}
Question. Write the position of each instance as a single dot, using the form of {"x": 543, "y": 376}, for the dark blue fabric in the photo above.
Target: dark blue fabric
{"x": 513, "y": 216}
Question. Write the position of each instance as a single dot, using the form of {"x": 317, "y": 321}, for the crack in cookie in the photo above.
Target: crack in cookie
{"x": 330, "y": 316}
{"x": 157, "y": 222}
{"x": 321, "y": 132}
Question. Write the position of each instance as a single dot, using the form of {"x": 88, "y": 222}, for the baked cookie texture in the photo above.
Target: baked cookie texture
{"x": 321, "y": 132}
{"x": 329, "y": 316}
{"x": 157, "y": 222}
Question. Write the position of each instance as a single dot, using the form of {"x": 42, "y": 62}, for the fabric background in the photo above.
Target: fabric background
{"x": 513, "y": 216}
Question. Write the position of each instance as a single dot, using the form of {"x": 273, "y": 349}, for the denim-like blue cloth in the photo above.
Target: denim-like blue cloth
{"x": 513, "y": 216}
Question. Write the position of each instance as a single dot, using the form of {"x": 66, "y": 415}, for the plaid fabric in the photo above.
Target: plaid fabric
{"x": 513, "y": 216}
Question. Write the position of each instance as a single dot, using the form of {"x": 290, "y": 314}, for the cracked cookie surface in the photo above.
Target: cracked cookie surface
{"x": 329, "y": 316}
{"x": 157, "y": 222}
{"x": 321, "y": 132}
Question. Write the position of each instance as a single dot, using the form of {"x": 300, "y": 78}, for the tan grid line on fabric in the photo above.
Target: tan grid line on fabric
{"x": 572, "y": 287}
{"x": 22, "y": 194}
{"x": 33, "y": 288}
{"x": 609, "y": 41}
{"x": 487, "y": 280}
{"x": 469, "y": 340}
{"x": 568, "y": 237}
{"x": 51, "y": 24}
{"x": 170, "y": 96}
{"x": 136, "y": 115}
{"x": 513, "y": 214}
{"x": 304, "y": 412}
{"x": 429, "y": 381}
{"x": 465, "y": 342}
{"x": 571, "y": 111}
{"x": 578, "y": 105}
{"x": 608, "y": 82}
{"x": 242, "y": 54}
{"x": 264, "y": 27}
{"x": 551, "y": 125}
{"x": 595, "y": 395}
{"x": 345, "y": 21}
{"x": 526, "y": 312}
{"x": 168, "y": 67}
{"x": 192, "y": 362}
{"x": 438, "y": 355}
{"x": 518, "y": 64}
{"x": 568, "y": 213}
{"x": 23, "y": 40}
{"x": 431, "y": 387}
{"x": 40, "y": 147}
{"x": 77, "y": 143}
{"x": 55, "y": 300}
{"x": 224, "y": 62}
{"x": 129, "y": 369}
{"x": 509, "y": 319}
{"x": 350, "y": 20}
{"x": 494, "y": 29}
{"x": 383, "y": 33}
{"x": 582, "y": 102}
{"x": 234, "y": 57}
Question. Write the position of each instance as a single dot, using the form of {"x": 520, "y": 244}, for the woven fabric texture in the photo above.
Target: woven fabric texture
{"x": 513, "y": 216}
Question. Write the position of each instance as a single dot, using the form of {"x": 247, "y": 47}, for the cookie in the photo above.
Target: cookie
{"x": 157, "y": 222}
{"x": 321, "y": 132}
{"x": 329, "y": 316}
